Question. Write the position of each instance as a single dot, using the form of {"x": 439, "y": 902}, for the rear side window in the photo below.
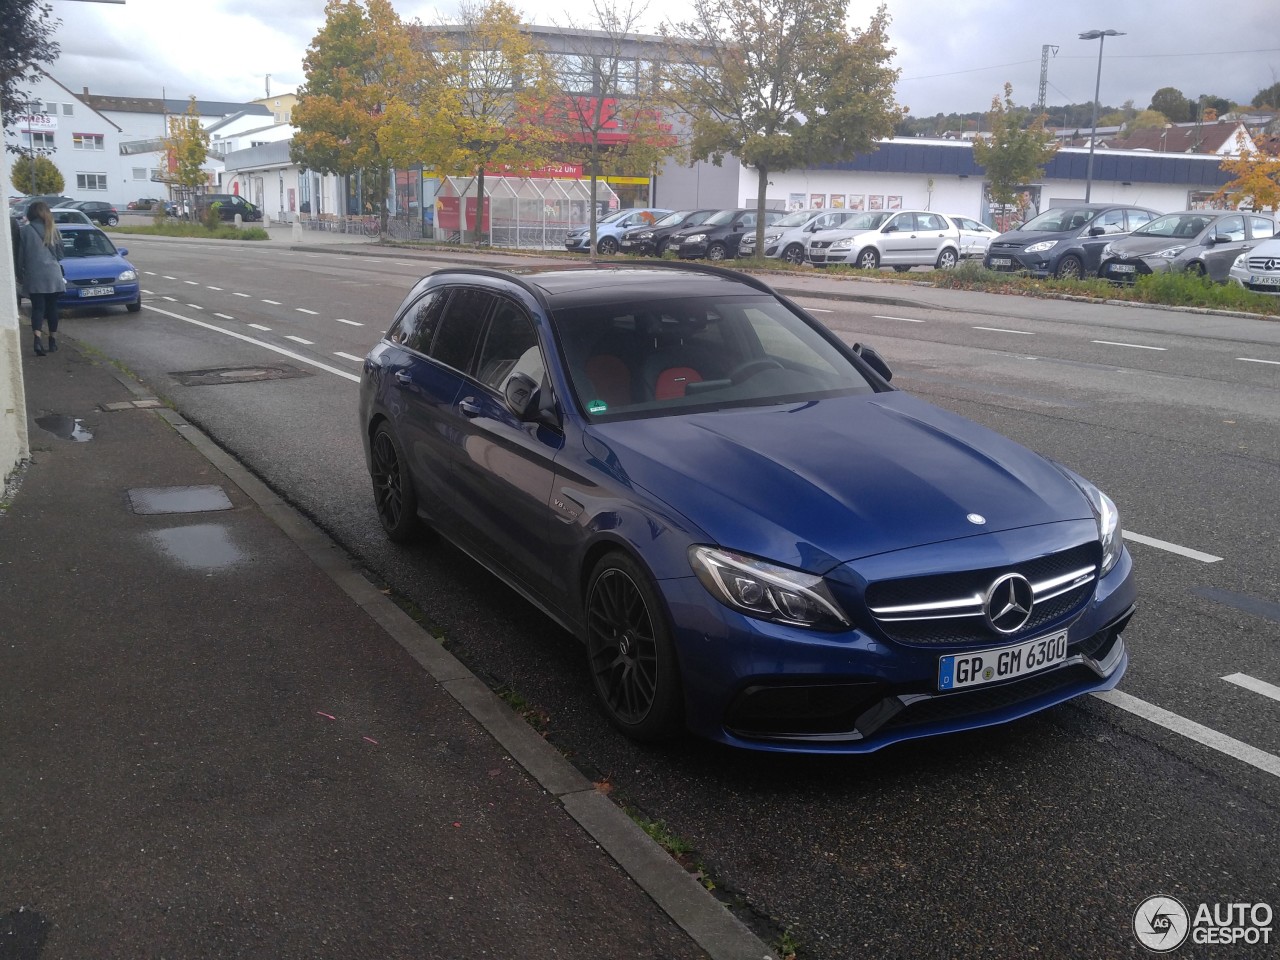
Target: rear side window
{"x": 930, "y": 221}
{"x": 1139, "y": 217}
{"x": 417, "y": 327}
{"x": 1261, "y": 227}
{"x": 455, "y": 341}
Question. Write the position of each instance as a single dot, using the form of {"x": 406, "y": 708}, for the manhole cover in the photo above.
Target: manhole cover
{"x": 201, "y": 378}
{"x": 149, "y": 500}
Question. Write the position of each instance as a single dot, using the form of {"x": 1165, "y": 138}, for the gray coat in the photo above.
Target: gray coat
{"x": 38, "y": 268}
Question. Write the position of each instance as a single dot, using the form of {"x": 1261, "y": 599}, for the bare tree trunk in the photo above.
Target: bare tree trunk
{"x": 592, "y": 213}
{"x": 762, "y": 191}
{"x": 478, "y": 231}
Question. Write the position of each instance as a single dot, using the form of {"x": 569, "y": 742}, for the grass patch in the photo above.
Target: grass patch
{"x": 532, "y": 714}
{"x": 184, "y": 228}
{"x": 788, "y": 946}
{"x": 680, "y": 850}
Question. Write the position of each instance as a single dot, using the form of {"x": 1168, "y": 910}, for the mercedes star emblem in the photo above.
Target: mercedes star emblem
{"x": 1009, "y": 602}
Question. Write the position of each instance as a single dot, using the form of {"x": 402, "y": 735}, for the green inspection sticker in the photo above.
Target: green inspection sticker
{"x": 597, "y": 406}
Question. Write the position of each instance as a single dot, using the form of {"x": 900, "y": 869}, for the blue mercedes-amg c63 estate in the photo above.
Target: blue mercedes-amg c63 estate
{"x": 755, "y": 536}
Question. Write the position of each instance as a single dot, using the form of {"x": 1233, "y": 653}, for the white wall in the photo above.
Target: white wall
{"x": 949, "y": 194}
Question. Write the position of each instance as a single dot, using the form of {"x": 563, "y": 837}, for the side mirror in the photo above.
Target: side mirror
{"x": 521, "y": 393}
{"x": 123, "y": 251}
{"x": 1097, "y": 231}
{"x": 874, "y": 360}
{"x": 889, "y": 228}
{"x": 1220, "y": 238}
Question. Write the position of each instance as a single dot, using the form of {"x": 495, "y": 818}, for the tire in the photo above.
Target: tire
{"x": 393, "y": 497}
{"x": 661, "y": 248}
{"x": 794, "y": 255}
{"x": 947, "y": 259}
{"x": 135, "y": 306}
{"x": 1195, "y": 268}
{"x": 112, "y": 221}
{"x": 607, "y": 246}
{"x": 630, "y": 655}
{"x": 901, "y": 269}
{"x": 868, "y": 259}
{"x": 1069, "y": 268}
{"x": 717, "y": 252}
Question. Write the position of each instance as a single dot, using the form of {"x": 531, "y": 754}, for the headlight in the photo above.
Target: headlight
{"x": 646, "y": 235}
{"x": 1242, "y": 261}
{"x": 771, "y": 238}
{"x": 767, "y": 591}
{"x": 1170, "y": 252}
{"x": 1041, "y": 247}
{"x": 1108, "y": 517}
{"x": 695, "y": 238}
{"x": 1107, "y": 250}
{"x": 844, "y": 244}
{"x": 127, "y": 275}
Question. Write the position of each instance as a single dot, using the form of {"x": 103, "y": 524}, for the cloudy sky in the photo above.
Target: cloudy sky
{"x": 954, "y": 55}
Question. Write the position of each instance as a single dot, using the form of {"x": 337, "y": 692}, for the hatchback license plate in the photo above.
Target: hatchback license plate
{"x": 1001, "y": 262}
{"x": 1123, "y": 268}
{"x": 1266, "y": 281}
{"x": 97, "y": 291}
{"x": 960, "y": 670}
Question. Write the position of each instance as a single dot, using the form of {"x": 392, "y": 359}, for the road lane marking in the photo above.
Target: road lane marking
{"x": 149, "y": 273}
{"x": 305, "y": 310}
{"x": 148, "y": 293}
{"x": 274, "y": 303}
{"x": 1238, "y": 749}
{"x": 1025, "y": 333}
{"x": 224, "y": 316}
{"x": 309, "y": 343}
{"x": 170, "y": 299}
{"x": 1171, "y": 547}
{"x": 353, "y": 323}
{"x": 293, "y": 355}
{"x": 1252, "y": 360}
{"x": 214, "y": 288}
{"x": 1254, "y": 684}
{"x": 195, "y": 306}
{"x": 1135, "y": 346}
{"x": 347, "y": 356}
{"x": 818, "y": 310}
{"x": 258, "y": 326}
{"x": 239, "y": 294}
{"x": 168, "y": 277}
{"x": 878, "y": 316}
{"x": 192, "y": 282}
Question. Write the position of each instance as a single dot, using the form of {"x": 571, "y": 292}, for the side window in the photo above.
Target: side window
{"x": 748, "y": 220}
{"x": 459, "y": 328}
{"x": 930, "y": 221}
{"x": 1111, "y": 222}
{"x": 1138, "y": 218}
{"x": 510, "y": 347}
{"x": 1261, "y": 227}
{"x": 1233, "y": 227}
{"x": 903, "y": 222}
{"x": 417, "y": 325}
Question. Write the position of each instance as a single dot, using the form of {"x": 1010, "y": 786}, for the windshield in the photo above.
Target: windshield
{"x": 1185, "y": 225}
{"x": 86, "y": 243}
{"x": 720, "y": 217}
{"x": 672, "y": 219}
{"x": 1057, "y": 219}
{"x": 866, "y": 221}
{"x": 649, "y": 358}
{"x": 797, "y": 219}
{"x": 612, "y": 217}
{"x": 68, "y": 216}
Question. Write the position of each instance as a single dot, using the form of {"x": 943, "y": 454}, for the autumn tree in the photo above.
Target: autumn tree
{"x": 187, "y": 149}
{"x": 36, "y": 175}
{"x": 478, "y": 105}
{"x": 1268, "y": 97}
{"x": 1013, "y": 155}
{"x": 1171, "y": 102}
{"x": 28, "y": 43}
{"x": 1148, "y": 120}
{"x": 608, "y": 108}
{"x": 353, "y": 70}
{"x": 1255, "y": 176}
{"x": 781, "y": 84}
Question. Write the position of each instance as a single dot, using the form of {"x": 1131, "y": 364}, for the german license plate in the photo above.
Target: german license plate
{"x": 1265, "y": 281}
{"x": 978, "y": 667}
{"x": 1001, "y": 262}
{"x": 1123, "y": 268}
{"x": 97, "y": 291}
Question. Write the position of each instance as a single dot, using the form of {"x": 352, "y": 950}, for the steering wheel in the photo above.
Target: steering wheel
{"x": 747, "y": 370}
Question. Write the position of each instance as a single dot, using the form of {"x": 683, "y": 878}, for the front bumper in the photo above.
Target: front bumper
{"x": 1259, "y": 281}
{"x": 1015, "y": 261}
{"x": 692, "y": 251}
{"x": 641, "y": 248}
{"x": 829, "y": 255}
{"x": 578, "y": 244}
{"x": 122, "y": 293}
{"x": 1130, "y": 268}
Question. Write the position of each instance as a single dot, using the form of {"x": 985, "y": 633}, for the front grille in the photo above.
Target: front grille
{"x": 820, "y": 244}
{"x": 961, "y": 620}
{"x": 1264, "y": 264}
{"x": 93, "y": 282}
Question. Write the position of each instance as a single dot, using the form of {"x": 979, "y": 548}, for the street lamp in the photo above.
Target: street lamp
{"x": 1101, "y": 37}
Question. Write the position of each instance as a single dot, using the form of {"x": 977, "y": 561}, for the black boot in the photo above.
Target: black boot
{"x": 53, "y": 343}
{"x": 39, "y": 344}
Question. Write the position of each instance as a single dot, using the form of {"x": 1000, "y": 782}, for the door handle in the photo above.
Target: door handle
{"x": 403, "y": 378}
{"x": 469, "y": 407}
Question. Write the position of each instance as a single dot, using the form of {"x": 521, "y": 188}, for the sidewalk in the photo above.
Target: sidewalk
{"x": 221, "y": 740}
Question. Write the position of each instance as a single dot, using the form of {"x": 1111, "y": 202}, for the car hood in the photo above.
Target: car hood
{"x": 1024, "y": 238}
{"x": 841, "y": 234}
{"x": 1131, "y": 246}
{"x": 82, "y": 268}
{"x": 819, "y": 483}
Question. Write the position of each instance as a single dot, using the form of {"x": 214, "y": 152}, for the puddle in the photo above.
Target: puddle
{"x": 149, "y": 500}
{"x": 64, "y": 427}
{"x": 204, "y": 546}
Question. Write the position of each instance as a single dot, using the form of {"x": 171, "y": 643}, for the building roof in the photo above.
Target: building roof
{"x": 1179, "y": 138}
{"x": 206, "y": 108}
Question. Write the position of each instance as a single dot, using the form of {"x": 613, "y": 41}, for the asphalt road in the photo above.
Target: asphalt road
{"x": 1036, "y": 838}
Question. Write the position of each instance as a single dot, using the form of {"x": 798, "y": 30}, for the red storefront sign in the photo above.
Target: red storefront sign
{"x": 447, "y": 210}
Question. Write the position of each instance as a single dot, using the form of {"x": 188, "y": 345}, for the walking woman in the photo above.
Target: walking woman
{"x": 40, "y": 273}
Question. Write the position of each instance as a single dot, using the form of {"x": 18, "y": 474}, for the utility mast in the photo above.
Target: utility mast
{"x": 269, "y": 84}
{"x": 1045, "y": 52}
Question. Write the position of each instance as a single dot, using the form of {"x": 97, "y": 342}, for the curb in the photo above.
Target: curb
{"x": 700, "y": 915}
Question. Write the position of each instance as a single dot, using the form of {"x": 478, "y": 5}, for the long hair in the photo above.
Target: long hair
{"x": 40, "y": 210}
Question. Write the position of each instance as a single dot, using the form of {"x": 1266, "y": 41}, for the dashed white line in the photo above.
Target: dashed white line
{"x": 149, "y": 273}
{"x": 195, "y": 306}
{"x": 299, "y": 340}
{"x": 1252, "y": 360}
{"x": 192, "y": 282}
{"x": 147, "y": 292}
{"x": 877, "y": 316}
{"x": 167, "y": 277}
{"x": 347, "y": 356}
{"x": 1254, "y": 684}
{"x": 170, "y": 299}
{"x": 258, "y": 326}
{"x": 213, "y": 288}
{"x": 274, "y": 303}
{"x": 224, "y": 316}
{"x": 305, "y": 310}
{"x": 1171, "y": 547}
{"x": 818, "y": 310}
{"x": 239, "y": 294}
{"x": 353, "y": 323}
{"x": 1025, "y": 333}
{"x": 1135, "y": 346}
{"x": 1201, "y": 734}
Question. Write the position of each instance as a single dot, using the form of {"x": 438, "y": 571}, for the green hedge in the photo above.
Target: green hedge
{"x": 185, "y": 228}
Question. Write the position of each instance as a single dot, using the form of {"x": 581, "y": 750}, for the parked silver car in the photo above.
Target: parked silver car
{"x": 1197, "y": 241}
{"x": 785, "y": 239}
{"x": 899, "y": 239}
{"x": 1258, "y": 269}
{"x": 975, "y": 237}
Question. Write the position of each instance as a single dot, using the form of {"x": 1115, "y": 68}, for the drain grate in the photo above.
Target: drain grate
{"x": 204, "y": 378}
{"x": 151, "y": 500}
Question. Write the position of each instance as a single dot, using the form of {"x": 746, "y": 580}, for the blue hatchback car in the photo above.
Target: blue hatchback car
{"x": 97, "y": 272}
{"x": 755, "y": 536}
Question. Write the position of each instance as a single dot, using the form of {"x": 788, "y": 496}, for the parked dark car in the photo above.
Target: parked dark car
{"x": 145, "y": 203}
{"x": 18, "y": 209}
{"x": 229, "y": 204}
{"x": 652, "y": 240}
{"x": 1056, "y": 243}
{"x": 99, "y": 211}
{"x": 754, "y": 535}
{"x": 717, "y": 237}
{"x": 1195, "y": 241}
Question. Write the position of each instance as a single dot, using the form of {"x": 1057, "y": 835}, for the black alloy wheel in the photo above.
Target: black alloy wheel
{"x": 717, "y": 251}
{"x": 1069, "y": 268}
{"x": 629, "y": 651}
{"x": 607, "y": 246}
{"x": 393, "y": 496}
{"x": 794, "y": 254}
{"x": 869, "y": 259}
